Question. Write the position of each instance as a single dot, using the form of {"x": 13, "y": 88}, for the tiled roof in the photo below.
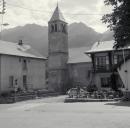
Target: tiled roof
{"x": 77, "y": 55}
{"x": 9, "y": 48}
{"x": 57, "y": 15}
{"x": 101, "y": 46}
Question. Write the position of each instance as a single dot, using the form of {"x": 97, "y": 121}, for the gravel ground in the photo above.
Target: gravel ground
{"x": 52, "y": 112}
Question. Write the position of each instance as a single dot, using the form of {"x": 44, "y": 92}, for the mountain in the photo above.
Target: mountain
{"x": 80, "y": 35}
{"x": 107, "y": 36}
{"x": 32, "y": 34}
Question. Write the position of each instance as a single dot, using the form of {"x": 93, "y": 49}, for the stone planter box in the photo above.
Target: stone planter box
{"x": 72, "y": 100}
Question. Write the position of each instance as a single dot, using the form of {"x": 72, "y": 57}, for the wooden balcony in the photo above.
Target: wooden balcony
{"x": 102, "y": 68}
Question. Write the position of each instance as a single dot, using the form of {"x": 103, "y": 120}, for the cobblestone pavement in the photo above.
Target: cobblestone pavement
{"x": 53, "y": 113}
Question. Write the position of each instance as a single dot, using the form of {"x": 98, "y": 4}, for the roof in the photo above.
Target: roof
{"x": 101, "y": 46}
{"x": 104, "y": 46}
{"x": 57, "y": 15}
{"x": 77, "y": 55}
{"x": 9, "y": 48}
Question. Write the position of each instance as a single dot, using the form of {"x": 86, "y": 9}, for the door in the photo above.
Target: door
{"x": 25, "y": 81}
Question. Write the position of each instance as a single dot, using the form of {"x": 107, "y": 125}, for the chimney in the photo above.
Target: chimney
{"x": 98, "y": 42}
{"x": 20, "y": 42}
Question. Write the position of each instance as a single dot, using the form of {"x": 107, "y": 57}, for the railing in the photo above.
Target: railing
{"x": 102, "y": 67}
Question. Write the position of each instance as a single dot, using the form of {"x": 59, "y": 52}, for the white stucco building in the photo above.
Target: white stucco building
{"x": 21, "y": 67}
{"x": 105, "y": 61}
{"x": 124, "y": 72}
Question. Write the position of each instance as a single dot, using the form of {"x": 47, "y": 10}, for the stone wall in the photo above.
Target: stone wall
{"x": 80, "y": 73}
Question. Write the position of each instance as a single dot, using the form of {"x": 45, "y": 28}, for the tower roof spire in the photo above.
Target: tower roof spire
{"x": 57, "y": 3}
{"x": 57, "y": 15}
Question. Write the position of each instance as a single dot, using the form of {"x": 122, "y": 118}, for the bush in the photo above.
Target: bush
{"x": 91, "y": 88}
{"x": 5, "y": 94}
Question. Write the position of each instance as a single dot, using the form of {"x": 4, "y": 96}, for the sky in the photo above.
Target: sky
{"x": 21, "y": 12}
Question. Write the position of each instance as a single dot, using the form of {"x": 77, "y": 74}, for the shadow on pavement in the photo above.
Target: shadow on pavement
{"x": 120, "y": 103}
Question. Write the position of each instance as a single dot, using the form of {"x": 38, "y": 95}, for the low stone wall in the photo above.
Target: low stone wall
{"x": 72, "y": 100}
{"x": 24, "y": 97}
{"x": 17, "y": 98}
{"x": 127, "y": 95}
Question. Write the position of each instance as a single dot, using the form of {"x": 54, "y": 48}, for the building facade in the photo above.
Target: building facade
{"x": 124, "y": 72}
{"x": 79, "y": 67}
{"x": 21, "y": 67}
{"x": 79, "y": 74}
{"x": 58, "y": 52}
{"x": 104, "y": 60}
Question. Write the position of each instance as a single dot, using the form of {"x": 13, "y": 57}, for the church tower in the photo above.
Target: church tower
{"x": 58, "y": 51}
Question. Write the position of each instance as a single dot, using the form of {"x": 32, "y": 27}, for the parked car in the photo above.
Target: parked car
{"x": 73, "y": 92}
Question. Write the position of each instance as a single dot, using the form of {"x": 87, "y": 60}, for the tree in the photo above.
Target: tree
{"x": 119, "y": 21}
{"x": 113, "y": 82}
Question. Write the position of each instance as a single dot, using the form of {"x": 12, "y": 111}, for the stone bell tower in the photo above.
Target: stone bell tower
{"x": 58, "y": 51}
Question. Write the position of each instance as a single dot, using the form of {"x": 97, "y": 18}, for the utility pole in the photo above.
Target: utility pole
{"x": 2, "y": 12}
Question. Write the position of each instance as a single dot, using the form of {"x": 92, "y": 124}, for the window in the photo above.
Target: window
{"x": 11, "y": 81}
{"x": 118, "y": 58}
{"x": 25, "y": 81}
{"x": 63, "y": 28}
{"x": 55, "y": 27}
{"x": 102, "y": 62}
{"x": 115, "y": 59}
{"x": 24, "y": 64}
{"x": 58, "y": 28}
{"x": 52, "y": 28}
{"x": 105, "y": 82}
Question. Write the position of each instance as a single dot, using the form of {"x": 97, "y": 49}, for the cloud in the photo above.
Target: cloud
{"x": 18, "y": 12}
{"x": 89, "y": 7}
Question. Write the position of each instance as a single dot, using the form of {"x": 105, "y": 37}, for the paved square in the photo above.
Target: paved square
{"x": 53, "y": 113}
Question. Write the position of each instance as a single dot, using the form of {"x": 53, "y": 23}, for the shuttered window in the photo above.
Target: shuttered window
{"x": 11, "y": 81}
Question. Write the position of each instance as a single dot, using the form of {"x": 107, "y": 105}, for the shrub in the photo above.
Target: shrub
{"x": 91, "y": 88}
